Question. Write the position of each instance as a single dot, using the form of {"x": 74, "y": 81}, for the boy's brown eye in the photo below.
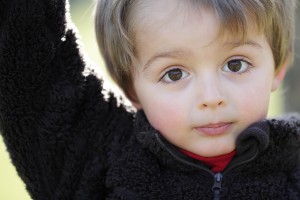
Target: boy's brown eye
{"x": 175, "y": 74}
{"x": 235, "y": 65}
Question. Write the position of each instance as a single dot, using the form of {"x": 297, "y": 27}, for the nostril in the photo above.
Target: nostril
{"x": 212, "y": 105}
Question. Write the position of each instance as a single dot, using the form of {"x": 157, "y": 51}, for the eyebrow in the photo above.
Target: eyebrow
{"x": 178, "y": 53}
{"x": 167, "y": 54}
{"x": 241, "y": 43}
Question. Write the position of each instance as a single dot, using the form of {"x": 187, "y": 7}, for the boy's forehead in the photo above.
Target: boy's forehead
{"x": 159, "y": 9}
{"x": 155, "y": 14}
{"x": 174, "y": 33}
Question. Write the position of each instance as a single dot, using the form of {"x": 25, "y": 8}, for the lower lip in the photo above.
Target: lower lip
{"x": 212, "y": 131}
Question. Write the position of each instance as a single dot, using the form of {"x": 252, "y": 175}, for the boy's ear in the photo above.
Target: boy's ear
{"x": 279, "y": 75}
{"x": 131, "y": 95}
{"x": 137, "y": 105}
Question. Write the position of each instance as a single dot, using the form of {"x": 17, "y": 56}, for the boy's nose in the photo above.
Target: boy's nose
{"x": 211, "y": 95}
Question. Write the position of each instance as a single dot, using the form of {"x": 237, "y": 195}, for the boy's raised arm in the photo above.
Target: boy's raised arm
{"x": 47, "y": 115}
{"x": 33, "y": 62}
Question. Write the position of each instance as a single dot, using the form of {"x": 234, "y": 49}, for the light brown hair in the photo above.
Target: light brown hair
{"x": 274, "y": 18}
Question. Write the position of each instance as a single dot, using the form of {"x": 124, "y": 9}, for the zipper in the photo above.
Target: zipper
{"x": 217, "y": 187}
{"x": 218, "y": 177}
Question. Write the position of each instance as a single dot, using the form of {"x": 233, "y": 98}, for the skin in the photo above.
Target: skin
{"x": 199, "y": 90}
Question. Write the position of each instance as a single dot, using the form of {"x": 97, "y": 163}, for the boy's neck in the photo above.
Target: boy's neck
{"x": 217, "y": 163}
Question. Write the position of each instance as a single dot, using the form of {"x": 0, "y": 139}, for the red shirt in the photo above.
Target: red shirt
{"x": 217, "y": 163}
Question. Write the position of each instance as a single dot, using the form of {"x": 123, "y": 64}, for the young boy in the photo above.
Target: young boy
{"x": 200, "y": 74}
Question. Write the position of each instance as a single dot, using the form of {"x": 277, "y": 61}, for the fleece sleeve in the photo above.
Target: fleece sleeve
{"x": 53, "y": 115}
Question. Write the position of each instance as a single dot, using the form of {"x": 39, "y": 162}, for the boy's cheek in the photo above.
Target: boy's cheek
{"x": 254, "y": 108}
{"x": 165, "y": 117}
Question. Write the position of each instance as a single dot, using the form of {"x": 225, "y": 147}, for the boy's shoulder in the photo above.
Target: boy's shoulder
{"x": 285, "y": 139}
{"x": 287, "y": 124}
{"x": 285, "y": 130}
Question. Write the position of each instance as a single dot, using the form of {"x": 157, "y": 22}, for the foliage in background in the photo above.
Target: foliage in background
{"x": 292, "y": 81}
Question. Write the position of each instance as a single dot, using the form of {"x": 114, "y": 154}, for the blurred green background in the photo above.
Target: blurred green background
{"x": 12, "y": 188}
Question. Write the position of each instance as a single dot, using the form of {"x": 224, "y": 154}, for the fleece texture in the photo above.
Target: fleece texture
{"x": 71, "y": 139}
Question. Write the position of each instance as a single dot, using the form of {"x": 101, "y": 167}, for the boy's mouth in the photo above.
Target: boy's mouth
{"x": 214, "y": 128}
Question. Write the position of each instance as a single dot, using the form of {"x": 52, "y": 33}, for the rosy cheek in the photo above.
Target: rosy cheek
{"x": 254, "y": 106}
{"x": 165, "y": 118}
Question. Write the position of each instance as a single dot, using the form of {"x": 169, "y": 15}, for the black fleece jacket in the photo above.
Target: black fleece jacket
{"x": 70, "y": 140}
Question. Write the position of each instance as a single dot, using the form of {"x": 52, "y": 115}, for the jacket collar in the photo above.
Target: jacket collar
{"x": 250, "y": 144}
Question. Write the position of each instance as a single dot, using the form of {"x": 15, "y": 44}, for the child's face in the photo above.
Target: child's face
{"x": 197, "y": 90}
